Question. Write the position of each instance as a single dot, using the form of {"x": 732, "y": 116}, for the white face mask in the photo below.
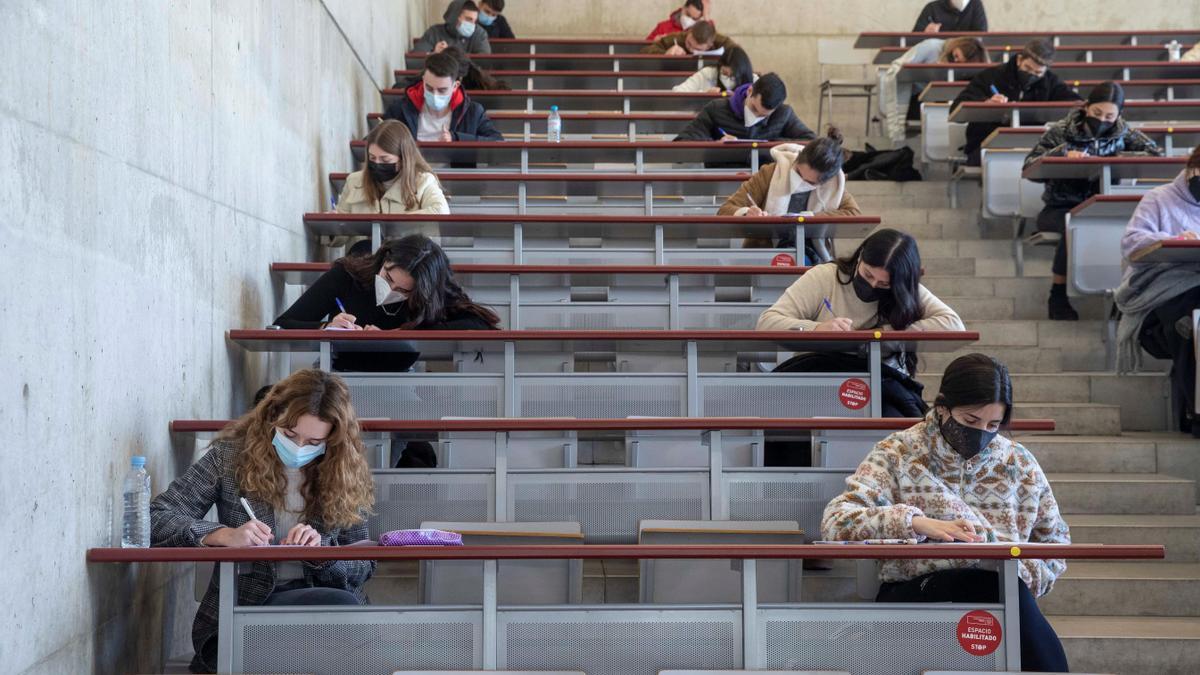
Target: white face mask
{"x": 686, "y": 21}
{"x": 384, "y": 295}
{"x": 748, "y": 116}
{"x": 466, "y": 28}
{"x": 960, "y": 5}
{"x": 437, "y": 102}
{"x": 728, "y": 82}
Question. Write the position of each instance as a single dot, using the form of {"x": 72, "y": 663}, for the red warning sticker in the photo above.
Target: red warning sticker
{"x": 979, "y": 633}
{"x": 783, "y": 260}
{"x": 854, "y": 394}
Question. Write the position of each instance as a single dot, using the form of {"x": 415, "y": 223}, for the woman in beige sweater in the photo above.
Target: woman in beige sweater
{"x": 877, "y": 287}
{"x": 804, "y": 179}
{"x": 396, "y": 179}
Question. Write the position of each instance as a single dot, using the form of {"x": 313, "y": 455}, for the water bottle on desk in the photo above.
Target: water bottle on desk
{"x": 554, "y": 126}
{"x": 135, "y": 492}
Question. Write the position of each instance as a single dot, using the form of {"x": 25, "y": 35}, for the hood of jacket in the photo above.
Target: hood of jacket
{"x": 451, "y": 15}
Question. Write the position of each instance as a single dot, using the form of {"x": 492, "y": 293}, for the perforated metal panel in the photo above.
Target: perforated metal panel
{"x": 607, "y": 504}
{"x": 871, "y": 642}
{"x": 595, "y": 317}
{"x": 591, "y": 396}
{"x": 773, "y": 495}
{"x": 334, "y": 643}
{"x": 781, "y": 395}
{"x": 406, "y": 498}
{"x": 427, "y": 396}
{"x": 720, "y": 317}
{"x": 627, "y": 642}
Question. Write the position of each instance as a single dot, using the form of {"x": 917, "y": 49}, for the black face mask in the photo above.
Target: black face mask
{"x": 865, "y": 291}
{"x": 1194, "y": 187}
{"x": 966, "y": 441}
{"x": 1026, "y": 80}
{"x": 382, "y": 173}
{"x": 1098, "y": 127}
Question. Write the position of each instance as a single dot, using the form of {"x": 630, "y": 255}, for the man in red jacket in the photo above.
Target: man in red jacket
{"x": 681, "y": 19}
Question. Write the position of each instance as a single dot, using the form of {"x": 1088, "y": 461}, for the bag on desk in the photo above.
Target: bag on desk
{"x": 871, "y": 164}
{"x": 420, "y": 538}
{"x": 901, "y": 394}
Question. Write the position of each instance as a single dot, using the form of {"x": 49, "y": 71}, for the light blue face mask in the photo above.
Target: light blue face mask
{"x": 486, "y": 19}
{"x": 295, "y": 456}
{"x": 466, "y": 28}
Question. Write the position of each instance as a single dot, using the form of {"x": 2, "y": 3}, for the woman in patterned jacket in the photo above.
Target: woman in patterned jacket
{"x": 953, "y": 478}
{"x": 298, "y": 460}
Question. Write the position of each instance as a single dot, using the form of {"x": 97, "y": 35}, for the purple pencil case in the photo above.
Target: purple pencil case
{"x": 420, "y": 538}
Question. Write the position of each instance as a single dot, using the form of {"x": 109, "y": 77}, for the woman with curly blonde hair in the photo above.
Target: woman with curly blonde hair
{"x": 298, "y": 461}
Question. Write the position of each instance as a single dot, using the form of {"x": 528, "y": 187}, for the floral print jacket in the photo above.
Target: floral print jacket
{"x": 914, "y": 472}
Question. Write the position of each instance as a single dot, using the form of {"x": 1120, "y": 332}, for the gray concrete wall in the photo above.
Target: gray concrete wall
{"x": 157, "y": 157}
{"x": 781, "y": 35}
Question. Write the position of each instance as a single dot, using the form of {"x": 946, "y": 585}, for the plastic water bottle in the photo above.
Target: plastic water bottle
{"x": 1174, "y": 50}
{"x": 554, "y": 126}
{"x": 135, "y": 524}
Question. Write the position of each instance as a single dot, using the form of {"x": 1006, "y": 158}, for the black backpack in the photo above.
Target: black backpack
{"x": 894, "y": 165}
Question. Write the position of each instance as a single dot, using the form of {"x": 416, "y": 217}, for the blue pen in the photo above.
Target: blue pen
{"x": 995, "y": 91}
{"x": 723, "y": 132}
{"x": 829, "y": 307}
{"x": 341, "y": 307}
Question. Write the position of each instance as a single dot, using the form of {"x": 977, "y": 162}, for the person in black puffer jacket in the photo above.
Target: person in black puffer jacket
{"x": 1094, "y": 130}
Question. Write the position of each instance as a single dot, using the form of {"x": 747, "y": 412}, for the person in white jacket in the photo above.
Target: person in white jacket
{"x": 895, "y": 93}
{"x": 733, "y": 70}
{"x": 397, "y": 179}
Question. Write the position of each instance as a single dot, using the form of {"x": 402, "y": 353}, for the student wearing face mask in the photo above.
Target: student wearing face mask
{"x": 802, "y": 179}
{"x": 1026, "y": 77}
{"x": 701, "y": 39}
{"x": 298, "y": 462}
{"x": 492, "y": 20}
{"x": 459, "y": 29}
{"x": 898, "y": 99}
{"x": 733, "y": 70}
{"x": 682, "y": 19}
{"x": 952, "y": 477}
{"x": 1156, "y": 300}
{"x": 875, "y": 288}
{"x": 436, "y": 108}
{"x": 396, "y": 180}
{"x": 952, "y": 16}
{"x": 406, "y": 285}
{"x": 1095, "y": 130}
{"x": 752, "y": 112}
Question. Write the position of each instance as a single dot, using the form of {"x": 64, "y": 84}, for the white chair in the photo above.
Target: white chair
{"x": 519, "y": 582}
{"x": 841, "y": 52}
{"x": 717, "y": 581}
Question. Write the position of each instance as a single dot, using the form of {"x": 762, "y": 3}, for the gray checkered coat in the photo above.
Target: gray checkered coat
{"x": 177, "y": 519}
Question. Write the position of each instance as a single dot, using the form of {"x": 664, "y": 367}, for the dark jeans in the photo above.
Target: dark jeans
{"x": 1160, "y": 338}
{"x": 296, "y": 593}
{"x": 1054, "y": 219}
{"x": 1041, "y": 650}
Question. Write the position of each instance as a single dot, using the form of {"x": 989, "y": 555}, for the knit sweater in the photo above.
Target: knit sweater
{"x": 802, "y": 307}
{"x": 1002, "y": 491}
{"x": 1164, "y": 213}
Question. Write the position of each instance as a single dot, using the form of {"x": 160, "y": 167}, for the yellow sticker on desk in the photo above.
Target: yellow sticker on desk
{"x": 1015, "y": 551}
{"x": 724, "y": 94}
{"x": 754, "y": 144}
{"x": 1170, "y": 130}
{"x": 799, "y": 219}
{"x": 878, "y": 334}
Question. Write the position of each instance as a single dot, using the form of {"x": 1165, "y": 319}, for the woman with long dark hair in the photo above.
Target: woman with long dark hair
{"x": 405, "y": 285}
{"x": 297, "y": 459}
{"x": 952, "y": 477}
{"x": 875, "y": 288}
{"x": 733, "y": 69}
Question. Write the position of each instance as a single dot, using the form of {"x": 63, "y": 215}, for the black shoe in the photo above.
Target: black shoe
{"x": 1060, "y": 309}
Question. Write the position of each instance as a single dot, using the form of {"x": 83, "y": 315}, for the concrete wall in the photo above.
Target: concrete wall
{"x": 781, "y": 35}
{"x": 157, "y": 157}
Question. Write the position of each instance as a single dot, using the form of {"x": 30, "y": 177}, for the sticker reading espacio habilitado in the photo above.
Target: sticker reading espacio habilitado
{"x": 979, "y": 633}
{"x": 783, "y": 260}
{"x": 854, "y": 394}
